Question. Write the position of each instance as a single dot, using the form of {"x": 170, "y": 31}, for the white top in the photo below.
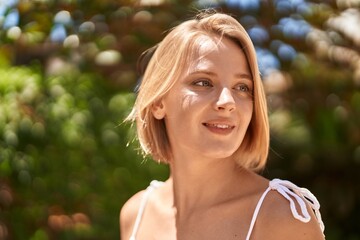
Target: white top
{"x": 287, "y": 189}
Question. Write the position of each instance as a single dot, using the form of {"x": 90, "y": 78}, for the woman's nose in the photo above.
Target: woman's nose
{"x": 225, "y": 100}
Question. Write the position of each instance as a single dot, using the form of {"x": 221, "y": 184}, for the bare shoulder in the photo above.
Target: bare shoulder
{"x": 276, "y": 221}
{"x": 128, "y": 214}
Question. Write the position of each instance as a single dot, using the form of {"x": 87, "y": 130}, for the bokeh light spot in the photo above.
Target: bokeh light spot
{"x": 108, "y": 58}
{"x": 11, "y": 19}
{"x": 58, "y": 33}
{"x": 63, "y": 17}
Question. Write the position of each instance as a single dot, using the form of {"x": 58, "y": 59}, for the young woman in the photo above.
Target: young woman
{"x": 201, "y": 108}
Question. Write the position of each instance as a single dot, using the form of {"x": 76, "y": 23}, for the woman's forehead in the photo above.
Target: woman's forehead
{"x": 206, "y": 47}
{"x": 206, "y": 44}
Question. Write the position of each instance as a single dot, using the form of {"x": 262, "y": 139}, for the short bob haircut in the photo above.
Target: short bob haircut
{"x": 168, "y": 60}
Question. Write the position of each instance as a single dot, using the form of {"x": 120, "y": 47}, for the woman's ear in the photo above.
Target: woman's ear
{"x": 158, "y": 110}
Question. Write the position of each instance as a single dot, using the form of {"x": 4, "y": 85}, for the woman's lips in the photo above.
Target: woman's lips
{"x": 219, "y": 128}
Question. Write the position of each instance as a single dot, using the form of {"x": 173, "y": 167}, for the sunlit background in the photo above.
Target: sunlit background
{"x": 67, "y": 74}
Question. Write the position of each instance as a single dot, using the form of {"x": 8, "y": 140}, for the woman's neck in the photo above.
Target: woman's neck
{"x": 200, "y": 183}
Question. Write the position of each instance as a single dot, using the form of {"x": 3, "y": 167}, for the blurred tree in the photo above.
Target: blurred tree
{"x": 68, "y": 70}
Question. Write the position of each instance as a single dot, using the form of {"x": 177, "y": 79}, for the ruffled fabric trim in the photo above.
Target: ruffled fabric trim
{"x": 290, "y": 191}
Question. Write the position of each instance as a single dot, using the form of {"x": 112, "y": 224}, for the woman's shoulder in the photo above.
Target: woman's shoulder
{"x": 134, "y": 207}
{"x": 286, "y": 214}
{"x": 129, "y": 212}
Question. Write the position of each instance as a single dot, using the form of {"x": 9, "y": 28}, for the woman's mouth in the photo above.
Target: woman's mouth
{"x": 219, "y": 128}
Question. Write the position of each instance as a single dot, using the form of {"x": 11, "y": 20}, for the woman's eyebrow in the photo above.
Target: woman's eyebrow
{"x": 210, "y": 73}
{"x": 199, "y": 71}
{"x": 244, "y": 75}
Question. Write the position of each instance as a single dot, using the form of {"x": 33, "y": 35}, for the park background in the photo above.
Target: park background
{"x": 67, "y": 74}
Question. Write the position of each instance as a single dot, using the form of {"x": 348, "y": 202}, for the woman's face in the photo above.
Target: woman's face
{"x": 208, "y": 110}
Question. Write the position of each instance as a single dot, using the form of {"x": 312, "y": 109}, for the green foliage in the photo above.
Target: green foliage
{"x": 64, "y": 147}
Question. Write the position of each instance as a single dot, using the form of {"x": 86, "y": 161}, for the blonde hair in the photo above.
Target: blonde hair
{"x": 167, "y": 61}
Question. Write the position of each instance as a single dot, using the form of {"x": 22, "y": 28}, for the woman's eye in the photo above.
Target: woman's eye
{"x": 243, "y": 88}
{"x": 203, "y": 83}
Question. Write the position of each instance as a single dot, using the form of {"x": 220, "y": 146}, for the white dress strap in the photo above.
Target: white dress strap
{"x": 290, "y": 191}
{"x": 153, "y": 185}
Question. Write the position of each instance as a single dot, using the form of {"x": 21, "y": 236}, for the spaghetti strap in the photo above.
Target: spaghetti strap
{"x": 256, "y": 212}
{"x": 290, "y": 191}
{"x": 153, "y": 185}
